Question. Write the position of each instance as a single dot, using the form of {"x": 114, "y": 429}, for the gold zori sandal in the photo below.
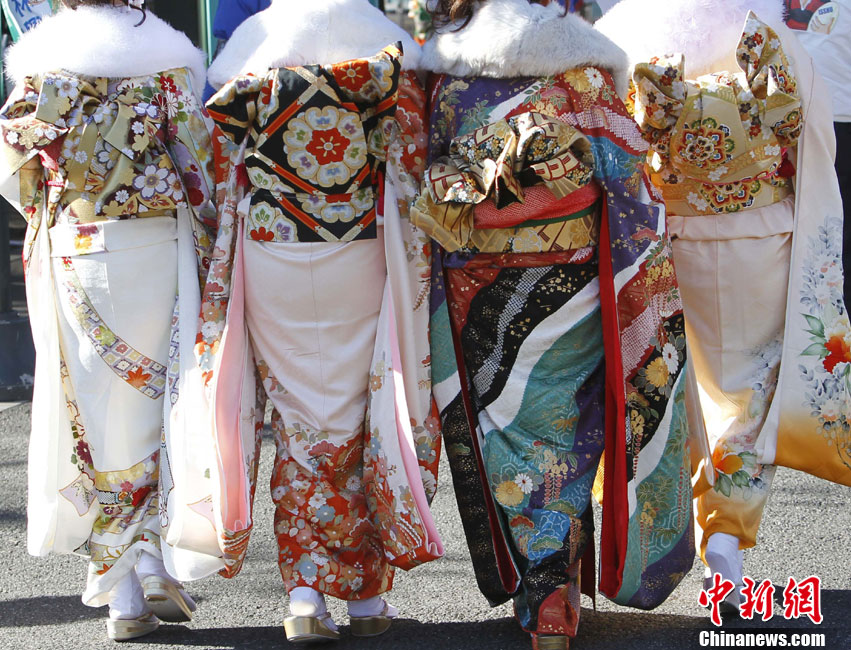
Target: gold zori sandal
{"x": 130, "y": 628}
{"x": 370, "y": 625}
{"x": 309, "y": 629}
{"x": 165, "y": 600}
{"x": 550, "y": 642}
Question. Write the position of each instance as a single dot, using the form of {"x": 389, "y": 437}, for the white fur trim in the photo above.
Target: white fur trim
{"x": 706, "y": 32}
{"x": 512, "y": 38}
{"x": 302, "y": 32}
{"x": 104, "y": 42}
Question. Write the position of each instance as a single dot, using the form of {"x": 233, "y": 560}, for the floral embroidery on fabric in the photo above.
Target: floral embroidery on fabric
{"x": 89, "y": 151}
{"x": 141, "y": 372}
{"x": 829, "y": 379}
{"x": 314, "y": 156}
{"x": 326, "y": 146}
{"x": 527, "y": 162}
{"x": 117, "y": 140}
{"x": 734, "y": 459}
{"x": 325, "y": 534}
{"x": 127, "y": 499}
{"x": 327, "y": 519}
{"x": 540, "y": 491}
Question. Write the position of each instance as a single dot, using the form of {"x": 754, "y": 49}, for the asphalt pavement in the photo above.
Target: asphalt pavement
{"x": 806, "y": 531}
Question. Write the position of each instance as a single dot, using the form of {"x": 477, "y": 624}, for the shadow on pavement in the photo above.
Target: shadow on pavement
{"x": 405, "y": 634}
{"x": 596, "y": 631}
{"x": 12, "y": 516}
{"x": 835, "y": 605}
{"x": 45, "y": 610}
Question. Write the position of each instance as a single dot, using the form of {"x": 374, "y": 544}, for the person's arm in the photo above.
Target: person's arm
{"x": 190, "y": 144}
{"x": 22, "y": 137}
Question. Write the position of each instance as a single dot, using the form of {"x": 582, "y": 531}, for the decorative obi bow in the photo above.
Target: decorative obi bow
{"x": 507, "y": 156}
{"x": 68, "y": 103}
{"x": 718, "y": 143}
{"x": 536, "y": 170}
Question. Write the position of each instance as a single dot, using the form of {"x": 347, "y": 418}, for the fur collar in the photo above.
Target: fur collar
{"x": 513, "y": 38}
{"x": 301, "y": 32}
{"x": 104, "y": 42}
{"x": 705, "y": 31}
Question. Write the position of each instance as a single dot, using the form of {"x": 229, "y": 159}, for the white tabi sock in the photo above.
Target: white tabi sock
{"x": 126, "y": 599}
{"x": 723, "y": 556}
{"x": 305, "y": 601}
{"x": 371, "y": 607}
{"x": 150, "y": 565}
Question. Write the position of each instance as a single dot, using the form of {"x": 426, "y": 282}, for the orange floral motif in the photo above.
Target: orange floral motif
{"x": 82, "y": 243}
{"x": 375, "y": 382}
{"x": 261, "y": 234}
{"x": 328, "y": 146}
{"x": 137, "y": 377}
{"x": 729, "y": 464}
{"x": 324, "y": 531}
{"x": 838, "y": 352}
{"x": 352, "y": 75}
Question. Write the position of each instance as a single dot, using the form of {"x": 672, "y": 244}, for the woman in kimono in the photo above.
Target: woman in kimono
{"x": 320, "y": 285}
{"x": 105, "y": 152}
{"x": 740, "y": 130}
{"x": 557, "y": 332}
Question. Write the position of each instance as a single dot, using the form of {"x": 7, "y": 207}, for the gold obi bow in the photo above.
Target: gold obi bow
{"x": 497, "y": 161}
{"x": 87, "y": 106}
{"x": 507, "y": 155}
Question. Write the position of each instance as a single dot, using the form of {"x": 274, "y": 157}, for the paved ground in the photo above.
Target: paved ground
{"x": 806, "y": 532}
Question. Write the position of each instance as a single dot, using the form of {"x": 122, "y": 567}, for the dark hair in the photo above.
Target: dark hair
{"x": 73, "y": 4}
{"x": 449, "y": 11}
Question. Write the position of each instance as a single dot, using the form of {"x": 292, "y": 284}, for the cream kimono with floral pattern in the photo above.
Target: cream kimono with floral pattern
{"x": 302, "y": 175}
{"x": 743, "y": 160}
{"x": 114, "y": 177}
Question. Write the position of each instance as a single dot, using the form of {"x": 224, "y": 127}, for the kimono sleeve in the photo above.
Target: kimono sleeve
{"x": 22, "y": 137}
{"x": 407, "y": 146}
{"x": 373, "y": 86}
{"x": 190, "y": 143}
{"x": 234, "y": 107}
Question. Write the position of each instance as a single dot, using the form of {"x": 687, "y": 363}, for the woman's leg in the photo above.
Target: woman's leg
{"x": 533, "y": 349}
{"x": 312, "y": 313}
{"x": 115, "y": 312}
{"x": 734, "y": 296}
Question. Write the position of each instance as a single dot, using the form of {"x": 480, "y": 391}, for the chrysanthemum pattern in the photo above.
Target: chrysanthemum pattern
{"x": 326, "y": 145}
{"x": 143, "y": 162}
{"x": 316, "y": 144}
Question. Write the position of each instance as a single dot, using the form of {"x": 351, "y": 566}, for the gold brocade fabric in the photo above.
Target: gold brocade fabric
{"x": 316, "y": 140}
{"x": 717, "y": 143}
{"x": 496, "y": 162}
{"x": 111, "y": 148}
